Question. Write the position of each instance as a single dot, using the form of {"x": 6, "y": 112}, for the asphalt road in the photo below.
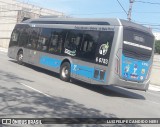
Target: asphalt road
{"x": 27, "y": 91}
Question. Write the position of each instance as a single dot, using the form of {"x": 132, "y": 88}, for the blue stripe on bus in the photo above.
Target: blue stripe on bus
{"x": 50, "y": 62}
{"x": 81, "y": 70}
{"x": 84, "y": 71}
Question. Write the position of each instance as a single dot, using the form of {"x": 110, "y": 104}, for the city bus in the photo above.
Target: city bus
{"x": 107, "y": 51}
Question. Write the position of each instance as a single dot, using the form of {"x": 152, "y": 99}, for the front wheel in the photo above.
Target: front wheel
{"x": 65, "y": 71}
{"x": 20, "y": 57}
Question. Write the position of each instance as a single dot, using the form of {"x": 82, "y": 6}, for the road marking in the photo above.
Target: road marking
{"x": 35, "y": 90}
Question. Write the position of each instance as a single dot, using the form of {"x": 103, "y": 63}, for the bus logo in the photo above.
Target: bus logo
{"x": 69, "y": 52}
{"x": 103, "y": 49}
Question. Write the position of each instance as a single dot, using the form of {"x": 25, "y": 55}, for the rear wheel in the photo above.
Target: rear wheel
{"x": 20, "y": 57}
{"x": 65, "y": 71}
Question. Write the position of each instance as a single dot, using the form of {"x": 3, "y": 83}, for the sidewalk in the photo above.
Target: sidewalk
{"x": 154, "y": 88}
{"x": 3, "y": 49}
{"x": 155, "y": 74}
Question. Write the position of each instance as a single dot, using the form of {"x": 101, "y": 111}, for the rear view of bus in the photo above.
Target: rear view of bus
{"x": 135, "y": 57}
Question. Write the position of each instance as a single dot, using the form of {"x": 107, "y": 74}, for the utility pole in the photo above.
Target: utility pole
{"x": 130, "y": 9}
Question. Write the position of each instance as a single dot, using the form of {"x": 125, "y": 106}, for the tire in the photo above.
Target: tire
{"x": 65, "y": 72}
{"x": 20, "y": 57}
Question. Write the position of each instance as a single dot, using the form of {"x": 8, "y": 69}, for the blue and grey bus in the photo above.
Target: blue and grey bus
{"x": 96, "y": 51}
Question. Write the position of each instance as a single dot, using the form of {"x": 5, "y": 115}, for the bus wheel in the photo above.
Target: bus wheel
{"x": 65, "y": 71}
{"x": 20, "y": 57}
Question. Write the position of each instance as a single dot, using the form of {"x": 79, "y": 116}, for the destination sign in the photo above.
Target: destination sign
{"x": 108, "y": 28}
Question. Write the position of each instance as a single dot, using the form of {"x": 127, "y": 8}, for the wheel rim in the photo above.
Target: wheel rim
{"x": 65, "y": 72}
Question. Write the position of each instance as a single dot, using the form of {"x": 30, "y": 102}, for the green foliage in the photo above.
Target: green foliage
{"x": 157, "y": 46}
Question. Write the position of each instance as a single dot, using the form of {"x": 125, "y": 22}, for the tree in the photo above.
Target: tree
{"x": 157, "y": 46}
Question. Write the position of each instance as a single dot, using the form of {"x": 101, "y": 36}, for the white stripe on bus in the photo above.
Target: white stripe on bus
{"x": 137, "y": 45}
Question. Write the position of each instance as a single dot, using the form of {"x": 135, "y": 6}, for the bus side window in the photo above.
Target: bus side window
{"x": 105, "y": 38}
{"x": 42, "y": 44}
{"x": 14, "y": 38}
{"x": 34, "y": 36}
{"x": 23, "y": 39}
{"x": 89, "y": 45}
{"x": 56, "y": 41}
{"x": 73, "y": 41}
{"x": 43, "y": 41}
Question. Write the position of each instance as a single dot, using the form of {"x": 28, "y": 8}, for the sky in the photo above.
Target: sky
{"x": 143, "y": 11}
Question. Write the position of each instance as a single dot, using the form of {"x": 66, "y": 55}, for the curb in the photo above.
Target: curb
{"x": 154, "y": 84}
{"x": 154, "y": 87}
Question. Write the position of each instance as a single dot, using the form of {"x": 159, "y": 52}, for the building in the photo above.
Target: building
{"x": 12, "y": 12}
{"x": 157, "y": 35}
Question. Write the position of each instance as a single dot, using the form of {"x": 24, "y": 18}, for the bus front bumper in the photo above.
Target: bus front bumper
{"x": 130, "y": 84}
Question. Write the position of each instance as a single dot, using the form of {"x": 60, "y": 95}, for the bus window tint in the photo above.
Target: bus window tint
{"x": 14, "y": 38}
{"x": 34, "y": 36}
{"x": 42, "y": 44}
{"x": 144, "y": 42}
{"x": 43, "y": 41}
{"x": 73, "y": 42}
{"x": 23, "y": 39}
{"x": 106, "y": 38}
{"x": 88, "y": 48}
{"x": 56, "y": 41}
{"x": 104, "y": 47}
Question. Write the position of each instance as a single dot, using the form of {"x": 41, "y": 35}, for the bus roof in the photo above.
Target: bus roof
{"x": 88, "y": 21}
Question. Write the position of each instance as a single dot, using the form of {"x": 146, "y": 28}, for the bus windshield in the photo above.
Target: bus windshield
{"x": 137, "y": 44}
